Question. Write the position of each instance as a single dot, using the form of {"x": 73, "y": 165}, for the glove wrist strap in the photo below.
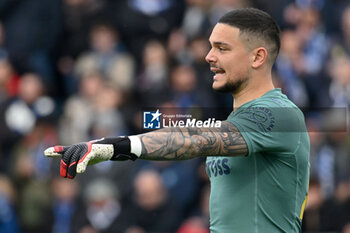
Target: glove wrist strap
{"x": 135, "y": 145}
{"x": 124, "y": 148}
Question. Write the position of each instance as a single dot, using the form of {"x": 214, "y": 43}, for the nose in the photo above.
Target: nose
{"x": 210, "y": 56}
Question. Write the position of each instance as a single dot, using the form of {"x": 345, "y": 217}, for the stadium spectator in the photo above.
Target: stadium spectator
{"x": 180, "y": 179}
{"x": 8, "y": 197}
{"x": 108, "y": 56}
{"x": 196, "y": 20}
{"x": 152, "y": 81}
{"x": 289, "y": 68}
{"x": 339, "y": 87}
{"x": 78, "y": 18}
{"x": 101, "y": 210}
{"x": 184, "y": 88}
{"x": 30, "y": 105}
{"x": 78, "y": 110}
{"x": 65, "y": 204}
{"x": 152, "y": 208}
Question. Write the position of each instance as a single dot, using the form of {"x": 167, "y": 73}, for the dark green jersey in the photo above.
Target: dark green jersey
{"x": 266, "y": 190}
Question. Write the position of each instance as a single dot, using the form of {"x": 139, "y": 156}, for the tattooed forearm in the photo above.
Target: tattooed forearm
{"x": 186, "y": 143}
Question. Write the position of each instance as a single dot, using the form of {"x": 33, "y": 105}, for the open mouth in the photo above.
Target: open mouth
{"x": 218, "y": 72}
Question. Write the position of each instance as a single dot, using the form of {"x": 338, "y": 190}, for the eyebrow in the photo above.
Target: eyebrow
{"x": 219, "y": 43}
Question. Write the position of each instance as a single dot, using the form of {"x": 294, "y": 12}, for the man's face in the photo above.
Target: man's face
{"x": 228, "y": 59}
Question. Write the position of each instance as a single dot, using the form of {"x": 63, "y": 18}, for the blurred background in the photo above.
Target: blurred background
{"x": 75, "y": 70}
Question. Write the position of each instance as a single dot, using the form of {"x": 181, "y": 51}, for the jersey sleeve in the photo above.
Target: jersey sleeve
{"x": 268, "y": 129}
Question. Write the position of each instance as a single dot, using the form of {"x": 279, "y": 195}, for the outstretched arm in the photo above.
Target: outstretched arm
{"x": 163, "y": 144}
{"x": 187, "y": 143}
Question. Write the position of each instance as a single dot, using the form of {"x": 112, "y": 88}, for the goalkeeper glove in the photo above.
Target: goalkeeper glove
{"x": 77, "y": 157}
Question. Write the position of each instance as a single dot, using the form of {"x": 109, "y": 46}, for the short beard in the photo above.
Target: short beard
{"x": 232, "y": 87}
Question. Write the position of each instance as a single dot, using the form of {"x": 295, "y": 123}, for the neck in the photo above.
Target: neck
{"x": 253, "y": 91}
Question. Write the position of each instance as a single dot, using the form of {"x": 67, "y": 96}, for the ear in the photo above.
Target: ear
{"x": 259, "y": 57}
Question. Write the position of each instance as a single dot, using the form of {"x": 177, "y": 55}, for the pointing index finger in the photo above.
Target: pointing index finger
{"x": 55, "y": 151}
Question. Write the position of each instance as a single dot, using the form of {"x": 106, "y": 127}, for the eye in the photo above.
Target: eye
{"x": 222, "y": 48}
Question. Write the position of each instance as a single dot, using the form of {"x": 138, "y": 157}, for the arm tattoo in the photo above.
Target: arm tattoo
{"x": 187, "y": 143}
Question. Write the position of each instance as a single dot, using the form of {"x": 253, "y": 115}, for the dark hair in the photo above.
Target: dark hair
{"x": 252, "y": 21}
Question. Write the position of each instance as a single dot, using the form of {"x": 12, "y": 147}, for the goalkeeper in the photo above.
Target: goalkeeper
{"x": 257, "y": 160}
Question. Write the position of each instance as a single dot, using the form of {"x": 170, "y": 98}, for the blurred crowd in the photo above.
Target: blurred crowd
{"x": 76, "y": 70}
